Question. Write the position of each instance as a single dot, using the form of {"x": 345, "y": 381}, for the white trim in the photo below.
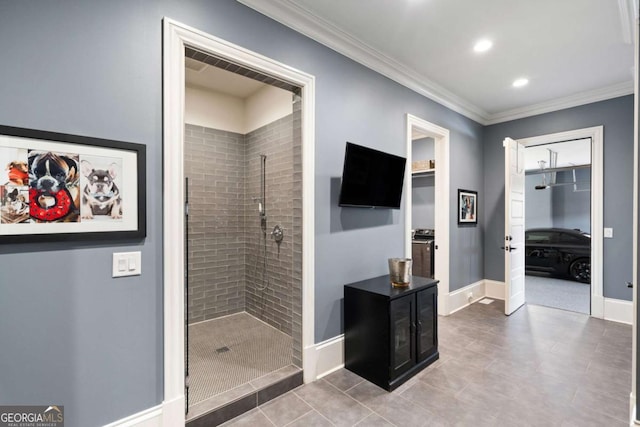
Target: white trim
{"x": 597, "y": 203}
{"x": 175, "y": 37}
{"x": 582, "y": 98}
{"x": 327, "y": 356}
{"x": 636, "y": 188}
{"x": 148, "y": 418}
{"x": 442, "y": 191}
{"x": 305, "y": 22}
{"x": 494, "y": 289}
{"x": 617, "y": 310}
{"x": 459, "y": 298}
{"x": 173, "y": 273}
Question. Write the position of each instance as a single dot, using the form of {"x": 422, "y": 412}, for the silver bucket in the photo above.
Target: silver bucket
{"x": 400, "y": 271}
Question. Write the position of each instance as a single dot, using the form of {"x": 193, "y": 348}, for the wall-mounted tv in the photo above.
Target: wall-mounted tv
{"x": 371, "y": 178}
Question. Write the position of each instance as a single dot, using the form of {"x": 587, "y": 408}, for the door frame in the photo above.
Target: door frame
{"x": 175, "y": 37}
{"x": 597, "y": 203}
{"x": 440, "y": 136}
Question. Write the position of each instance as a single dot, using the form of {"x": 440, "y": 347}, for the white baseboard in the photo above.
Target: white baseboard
{"x": 325, "y": 357}
{"x": 494, "y": 289}
{"x": 463, "y": 297}
{"x": 618, "y": 310}
{"x": 151, "y": 417}
{"x": 613, "y": 309}
{"x": 169, "y": 413}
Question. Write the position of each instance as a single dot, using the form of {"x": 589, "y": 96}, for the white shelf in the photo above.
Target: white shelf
{"x": 422, "y": 172}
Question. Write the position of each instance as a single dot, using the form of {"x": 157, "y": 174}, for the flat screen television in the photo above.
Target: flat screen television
{"x": 371, "y": 178}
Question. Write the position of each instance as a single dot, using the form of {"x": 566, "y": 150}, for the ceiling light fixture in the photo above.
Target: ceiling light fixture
{"x": 520, "y": 82}
{"x": 483, "y": 45}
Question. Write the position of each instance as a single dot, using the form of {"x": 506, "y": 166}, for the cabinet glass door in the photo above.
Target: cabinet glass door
{"x": 426, "y": 325}
{"x": 402, "y": 342}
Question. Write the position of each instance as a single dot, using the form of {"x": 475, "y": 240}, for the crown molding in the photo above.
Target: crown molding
{"x": 326, "y": 33}
{"x": 303, "y": 21}
{"x": 582, "y": 98}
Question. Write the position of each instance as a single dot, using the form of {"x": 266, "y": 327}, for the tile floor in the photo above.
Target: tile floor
{"x": 231, "y": 351}
{"x": 537, "y": 367}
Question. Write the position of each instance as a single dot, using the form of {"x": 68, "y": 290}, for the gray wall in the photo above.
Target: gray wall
{"x": 225, "y": 239}
{"x": 559, "y": 206}
{"x": 423, "y": 187}
{"x": 616, "y": 115}
{"x": 94, "y": 344}
{"x": 274, "y": 305}
{"x": 538, "y": 212}
{"x": 572, "y": 209}
{"x": 214, "y": 162}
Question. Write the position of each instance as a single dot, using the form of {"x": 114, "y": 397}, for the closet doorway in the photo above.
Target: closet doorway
{"x": 417, "y": 130}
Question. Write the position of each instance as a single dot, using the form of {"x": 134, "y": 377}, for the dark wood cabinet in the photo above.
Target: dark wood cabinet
{"x": 390, "y": 333}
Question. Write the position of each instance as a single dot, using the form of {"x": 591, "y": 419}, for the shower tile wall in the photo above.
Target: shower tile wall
{"x": 275, "y": 304}
{"x": 296, "y": 234}
{"x": 224, "y": 226}
{"x": 214, "y": 164}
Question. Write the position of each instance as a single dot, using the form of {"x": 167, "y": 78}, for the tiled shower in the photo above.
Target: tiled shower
{"x": 225, "y": 239}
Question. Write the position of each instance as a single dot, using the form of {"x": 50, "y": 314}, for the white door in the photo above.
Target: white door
{"x": 513, "y": 225}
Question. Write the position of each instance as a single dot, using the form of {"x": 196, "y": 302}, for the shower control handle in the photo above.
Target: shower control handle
{"x": 277, "y": 234}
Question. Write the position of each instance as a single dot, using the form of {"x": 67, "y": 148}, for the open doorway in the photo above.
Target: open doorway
{"x": 177, "y": 37}
{"x": 432, "y": 142}
{"x": 241, "y": 155}
{"x": 594, "y": 136}
{"x": 558, "y": 225}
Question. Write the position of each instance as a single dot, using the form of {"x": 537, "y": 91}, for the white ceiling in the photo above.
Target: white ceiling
{"x": 572, "y": 51}
{"x": 570, "y": 153}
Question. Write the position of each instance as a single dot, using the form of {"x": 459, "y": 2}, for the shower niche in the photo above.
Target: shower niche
{"x": 244, "y": 292}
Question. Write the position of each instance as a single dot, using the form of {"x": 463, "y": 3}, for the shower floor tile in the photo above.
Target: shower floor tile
{"x": 231, "y": 351}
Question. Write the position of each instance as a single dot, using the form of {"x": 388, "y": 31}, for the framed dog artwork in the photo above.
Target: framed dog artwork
{"x": 57, "y": 186}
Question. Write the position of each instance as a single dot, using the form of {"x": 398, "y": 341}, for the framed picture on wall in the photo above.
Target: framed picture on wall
{"x": 57, "y": 186}
{"x": 467, "y": 207}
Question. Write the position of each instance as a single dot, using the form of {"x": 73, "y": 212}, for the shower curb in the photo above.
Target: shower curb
{"x": 245, "y": 403}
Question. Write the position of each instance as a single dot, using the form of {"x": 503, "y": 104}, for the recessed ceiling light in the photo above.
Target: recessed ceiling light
{"x": 483, "y": 45}
{"x": 520, "y": 82}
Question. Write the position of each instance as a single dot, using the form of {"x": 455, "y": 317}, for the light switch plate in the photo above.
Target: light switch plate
{"x": 608, "y": 232}
{"x": 127, "y": 264}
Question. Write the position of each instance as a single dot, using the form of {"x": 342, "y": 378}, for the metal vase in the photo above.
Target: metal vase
{"x": 400, "y": 271}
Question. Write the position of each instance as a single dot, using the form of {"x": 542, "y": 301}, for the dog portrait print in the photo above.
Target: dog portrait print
{"x": 100, "y": 186}
{"x": 54, "y": 194}
{"x": 14, "y": 186}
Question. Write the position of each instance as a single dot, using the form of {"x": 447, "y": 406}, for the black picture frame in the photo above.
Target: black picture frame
{"x": 63, "y": 187}
{"x": 467, "y": 207}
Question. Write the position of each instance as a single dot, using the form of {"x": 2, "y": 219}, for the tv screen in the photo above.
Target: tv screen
{"x": 371, "y": 178}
